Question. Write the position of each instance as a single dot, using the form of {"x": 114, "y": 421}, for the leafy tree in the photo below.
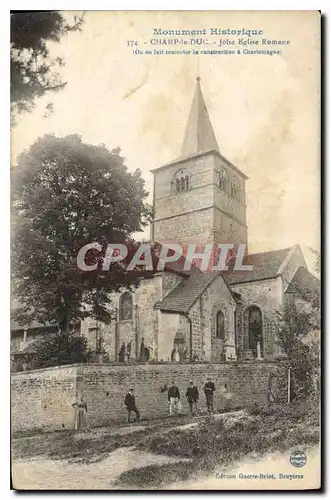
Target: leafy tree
{"x": 67, "y": 194}
{"x": 317, "y": 263}
{"x": 61, "y": 349}
{"x": 299, "y": 320}
{"x": 33, "y": 71}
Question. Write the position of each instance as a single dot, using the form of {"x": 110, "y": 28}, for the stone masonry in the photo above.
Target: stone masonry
{"x": 42, "y": 399}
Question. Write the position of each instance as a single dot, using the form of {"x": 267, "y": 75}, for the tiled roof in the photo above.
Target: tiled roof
{"x": 265, "y": 265}
{"x": 303, "y": 283}
{"x": 178, "y": 267}
{"x": 184, "y": 295}
{"x": 14, "y": 326}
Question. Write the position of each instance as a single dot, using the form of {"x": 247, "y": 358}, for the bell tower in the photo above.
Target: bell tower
{"x": 199, "y": 197}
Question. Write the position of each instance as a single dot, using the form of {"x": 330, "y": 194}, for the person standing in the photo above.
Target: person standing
{"x": 174, "y": 400}
{"x": 175, "y": 356}
{"x": 81, "y": 414}
{"x": 226, "y": 397}
{"x": 121, "y": 354}
{"x": 192, "y": 396}
{"x": 130, "y": 403}
{"x": 128, "y": 350}
{"x": 209, "y": 390}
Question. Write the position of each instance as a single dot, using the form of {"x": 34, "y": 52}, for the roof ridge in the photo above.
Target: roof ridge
{"x": 170, "y": 291}
{"x": 270, "y": 251}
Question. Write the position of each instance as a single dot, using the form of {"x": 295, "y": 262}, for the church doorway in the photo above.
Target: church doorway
{"x": 254, "y": 331}
{"x": 181, "y": 346}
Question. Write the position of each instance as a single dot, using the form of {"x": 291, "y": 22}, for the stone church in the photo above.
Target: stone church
{"x": 188, "y": 316}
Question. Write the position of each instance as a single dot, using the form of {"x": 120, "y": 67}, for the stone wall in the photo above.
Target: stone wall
{"x": 225, "y": 202}
{"x": 204, "y": 213}
{"x": 267, "y": 295}
{"x": 42, "y": 399}
{"x": 203, "y": 316}
{"x": 191, "y": 227}
{"x": 174, "y": 329}
{"x": 144, "y": 323}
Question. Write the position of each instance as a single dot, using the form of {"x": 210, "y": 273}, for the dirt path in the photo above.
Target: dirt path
{"x": 45, "y": 474}
{"x": 101, "y": 470}
{"x": 275, "y": 464}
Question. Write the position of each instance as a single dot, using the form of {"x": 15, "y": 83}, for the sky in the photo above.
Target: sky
{"x": 265, "y": 110}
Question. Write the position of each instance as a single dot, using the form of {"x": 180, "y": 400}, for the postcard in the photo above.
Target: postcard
{"x": 165, "y": 262}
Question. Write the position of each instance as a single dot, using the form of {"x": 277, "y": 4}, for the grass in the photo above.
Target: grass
{"x": 89, "y": 446}
{"x": 213, "y": 441}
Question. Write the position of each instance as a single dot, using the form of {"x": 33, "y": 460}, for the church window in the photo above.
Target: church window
{"x": 94, "y": 335}
{"x": 187, "y": 183}
{"x": 253, "y": 329}
{"x": 223, "y": 181}
{"x": 234, "y": 189}
{"x": 125, "y": 306}
{"x": 220, "y": 325}
{"x": 182, "y": 182}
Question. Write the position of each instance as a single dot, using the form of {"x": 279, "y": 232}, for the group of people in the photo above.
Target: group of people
{"x": 192, "y": 397}
{"x": 175, "y": 407}
{"x": 174, "y": 401}
{"x": 145, "y": 353}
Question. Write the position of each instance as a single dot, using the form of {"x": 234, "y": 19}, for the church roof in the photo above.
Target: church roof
{"x": 185, "y": 294}
{"x": 178, "y": 267}
{"x": 303, "y": 283}
{"x": 199, "y": 135}
{"x": 265, "y": 265}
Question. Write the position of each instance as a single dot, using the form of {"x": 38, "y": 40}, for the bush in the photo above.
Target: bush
{"x": 153, "y": 476}
{"x": 61, "y": 349}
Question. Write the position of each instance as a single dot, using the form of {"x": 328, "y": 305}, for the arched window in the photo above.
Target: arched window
{"x": 177, "y": 185}
{"x": 187, "y": 183}
{"x": 182, "y": 182}
{"x": 125, "y": 306}
{"x": 220, "y": 325}
{"x": 234, "y": 188}
{"x": 223, "y": 181}
{"x": 254, "y": 332}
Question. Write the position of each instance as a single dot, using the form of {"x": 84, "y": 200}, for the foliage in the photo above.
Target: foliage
{"x": 299, "y": 321}
{"x": 61, "y": 349}
{"x": 201, "y": 449}
{"x": 33, "y": 71}
{"x": 222, "y": 441}
{"x": 67, "y": 194}
{"x": 317, "y": 262}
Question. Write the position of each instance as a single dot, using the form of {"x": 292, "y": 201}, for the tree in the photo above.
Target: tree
{"x": 299, "y": 321}
{"x": 55, "y": 350}
{"x": 67, "y": 194}
{"x": 33, "y": 71}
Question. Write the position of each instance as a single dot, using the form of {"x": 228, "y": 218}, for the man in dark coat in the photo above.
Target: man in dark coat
{"x": 174, "y": 399}
{"x": 192, "y": 396}
{"x": 130, "y": 403}
{"x": 209, "y": 390}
